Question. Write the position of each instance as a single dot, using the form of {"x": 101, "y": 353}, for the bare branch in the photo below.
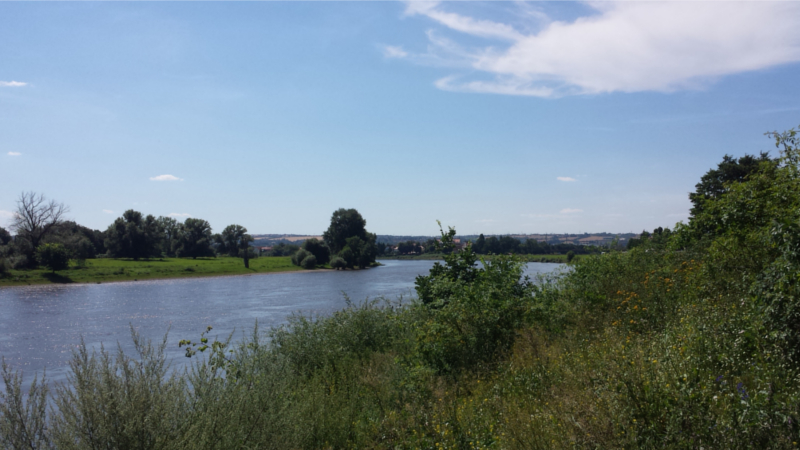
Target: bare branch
{"x": 35, "y": 216}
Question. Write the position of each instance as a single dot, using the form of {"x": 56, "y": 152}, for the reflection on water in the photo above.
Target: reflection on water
{"x": 41, "y": 325}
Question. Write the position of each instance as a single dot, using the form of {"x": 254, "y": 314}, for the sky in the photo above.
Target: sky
{"x": 492, "y": 117}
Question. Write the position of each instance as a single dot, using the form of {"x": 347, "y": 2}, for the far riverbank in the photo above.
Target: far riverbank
{"x": 105, "y": 270}
{"x": 559, "y": 259}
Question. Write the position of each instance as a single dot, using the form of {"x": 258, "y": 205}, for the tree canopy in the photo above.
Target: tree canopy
{"x": 345, "y": 223}
{"x": 195, "y": 239}
{"x": 133, "y": 236}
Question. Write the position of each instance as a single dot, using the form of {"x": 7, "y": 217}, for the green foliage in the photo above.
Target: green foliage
{"x": 299, "y": 256}
{"x": 132, "y": 236}
{"x": 194, "y": 239}
{"x": 309, "y": 262}
{"x": 53, "y": 256}
{"x": 283, "y": 249}
{"x": 338, "y": 263}
{"x": 119, "y": 401}
{"x": 5, "y": 236}
{"x": 345, "y": 223}
{"x": 570, "y": 256}
{"x": 23, "y": 419}
{"x": 318, "y": 249}
{"x": 169, "y": 229}
{"x": 472, "y": 312}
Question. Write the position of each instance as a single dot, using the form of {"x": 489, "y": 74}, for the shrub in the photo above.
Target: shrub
{"x": 570, "y": 256}
{"x": 5, "y": 267}
{"x": 338, "y": 263}
{"x": 309, "y": 262}
{"x": 53, "y": 256}
{"x": 299, "y": 256}
{"x": 18, "y": 262}
{"x": 318, "y": 249}
{"x": 130, "y": 402}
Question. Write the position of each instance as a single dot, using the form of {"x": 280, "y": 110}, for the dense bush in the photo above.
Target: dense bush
{"x": 53, "y": 256}
{"x": 299, "y": 256}
{"x": 319, "y": 249}
{"x": 338, "y": 263}
{"x": 309, "y": 262}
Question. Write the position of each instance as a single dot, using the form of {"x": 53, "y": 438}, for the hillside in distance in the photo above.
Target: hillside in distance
{"x": 263, "y": 240}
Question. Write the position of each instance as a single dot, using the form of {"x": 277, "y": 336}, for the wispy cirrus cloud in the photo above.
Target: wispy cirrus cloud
{"x": 14, "y": 154}
{"x": 179, "y": 215}
{"x": 12, "y": 84}
{"x": 565, "y": 179}
{"x": 166, "y": 177}
{"x": 621, "y": 46}
{"x": 108, "y": 211}
{"x": 570, "y": 211}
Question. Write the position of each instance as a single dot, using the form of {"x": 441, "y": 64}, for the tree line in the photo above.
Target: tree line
{"x": 493, "y": 245}
{"x": 42, "y": 237}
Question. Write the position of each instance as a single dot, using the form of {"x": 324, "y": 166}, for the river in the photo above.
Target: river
{"x": 40, "y": 326}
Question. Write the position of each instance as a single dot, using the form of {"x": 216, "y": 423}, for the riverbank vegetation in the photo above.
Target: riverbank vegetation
{"x": 561, "y": 259}
{"x": 688, "y": 340}
{"x": 102, "y": 270}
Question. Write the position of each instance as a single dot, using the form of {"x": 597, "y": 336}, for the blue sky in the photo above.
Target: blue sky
{"x": 497, "y": 117}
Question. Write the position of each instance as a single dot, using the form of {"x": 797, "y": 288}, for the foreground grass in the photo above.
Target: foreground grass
{"x": 106, "y": 270}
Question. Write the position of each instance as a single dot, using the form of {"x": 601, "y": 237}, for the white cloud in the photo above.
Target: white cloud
{"x": 179, "y": 215}
{"x": 565, "y": 179}
{"x": 166, "y": 177}
{"x": 12, "y": 84}
{"x": 475, "y": 27}
{"x": 108, "y": 211}
{"x": 14, "y": 153}
{"x": 570, "y": 211}
{"x": 621, "y": 47}
{"x": 6, "y": 214}
{"x": 391, "y": 51}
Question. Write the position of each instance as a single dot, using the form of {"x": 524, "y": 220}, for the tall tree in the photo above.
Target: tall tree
{"x": 229, "y": 241}
{"x": 234, "y": 241}
{"x": 716, "y": 182}
{"x": 195, "y": 239}
{"x": 34, "y": 219}
{"x": 345, "y": 223}
{"x": 132, "y": 236}
{"x": 169, "y": 229}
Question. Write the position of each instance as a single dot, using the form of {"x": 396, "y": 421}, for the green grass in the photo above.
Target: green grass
{"x": 107, "y": 270}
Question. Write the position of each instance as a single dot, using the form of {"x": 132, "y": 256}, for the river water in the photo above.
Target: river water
{"x": 40, "y": 326}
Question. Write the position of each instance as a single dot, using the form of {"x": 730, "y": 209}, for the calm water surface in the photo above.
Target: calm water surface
{"x": 40, "y": 326}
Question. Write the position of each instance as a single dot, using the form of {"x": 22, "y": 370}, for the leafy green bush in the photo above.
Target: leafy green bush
{"x": 338, "y": 263}
{"x": 473, "y": 313}
{"x": 309, "y": 262}
{"x": 299, "y": 256}
{"x": 318, "y": 249}
{"x": 53, "y": 256}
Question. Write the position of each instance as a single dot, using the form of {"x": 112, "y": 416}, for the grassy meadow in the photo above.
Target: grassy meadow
{"x": 104, "y": 270}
